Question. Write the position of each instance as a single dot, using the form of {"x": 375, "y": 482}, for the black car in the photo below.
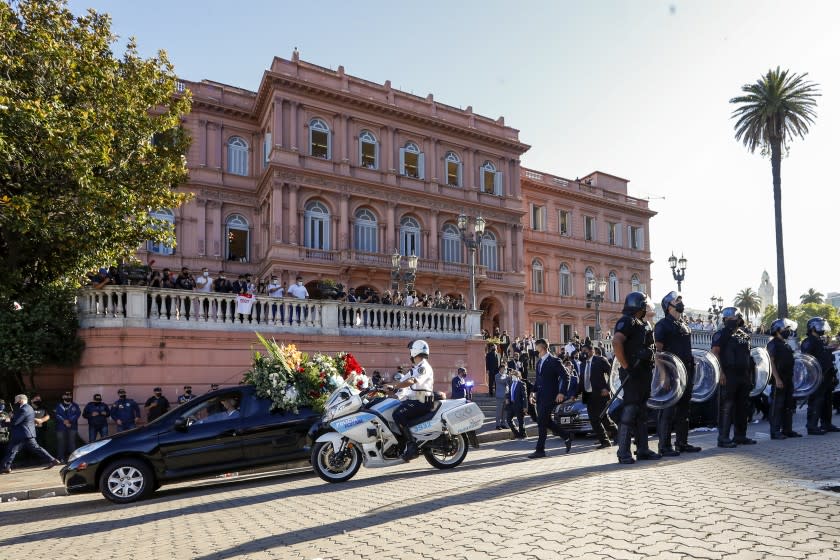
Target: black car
{"x": 223, "y": 431}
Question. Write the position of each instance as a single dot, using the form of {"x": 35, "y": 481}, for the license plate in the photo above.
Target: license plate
{"x": 565, "y": 419}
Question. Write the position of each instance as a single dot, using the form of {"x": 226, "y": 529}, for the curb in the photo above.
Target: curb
{"x": 33, "y": 494}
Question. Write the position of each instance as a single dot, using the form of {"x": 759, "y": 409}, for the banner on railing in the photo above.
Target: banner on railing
{"x": 244, "y": 302}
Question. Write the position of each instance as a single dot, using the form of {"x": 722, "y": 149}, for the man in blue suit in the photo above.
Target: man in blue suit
{"x": 517, "y": 405}
{"x": 549, "y": 389}
{"x": 23, "y": 435}
{"x": 459, "y": 384}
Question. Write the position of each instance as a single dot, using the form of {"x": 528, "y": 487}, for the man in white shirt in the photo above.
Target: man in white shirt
{"x": 275, "y": 291}
{"x": 299, "y": 291}
{"x": 418, "y": 394}
{"x": 204, "y": 285}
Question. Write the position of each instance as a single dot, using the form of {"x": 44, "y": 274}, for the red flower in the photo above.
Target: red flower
{"x": 314, "y": 394}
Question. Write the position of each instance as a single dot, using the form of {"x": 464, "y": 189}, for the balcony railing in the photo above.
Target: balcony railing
{"x": 143, "y": 307}
{"x": 702, "y": 340}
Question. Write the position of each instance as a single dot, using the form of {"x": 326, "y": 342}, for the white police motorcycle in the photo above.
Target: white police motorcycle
{"x": 358, "y": 428}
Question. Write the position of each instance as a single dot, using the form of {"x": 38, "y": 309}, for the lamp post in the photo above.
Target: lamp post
{"x": 408, "y": 277}
{"x": 473, "y": 242}
{"x": 595, "y": 294}
{"x": 716, "y": 309}
{"x": 678, "y": 269}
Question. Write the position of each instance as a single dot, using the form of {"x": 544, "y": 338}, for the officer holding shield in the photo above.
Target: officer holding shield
{"x": 731, "y": 345}
{"x": 672, "y": 334}
{"x": 781, "y": 356}
{"x": 819, "y": 403}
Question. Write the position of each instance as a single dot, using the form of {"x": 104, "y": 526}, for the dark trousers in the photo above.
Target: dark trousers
{"x": 676, "y": 418}
{"x": 491, "y": 383}
{"x": 520, "y": 417}
{"x": 408, "y": 410}
{"x": 65, "y": 443}
{"x": 544, "y": 423}
{"x": 734, "y": 400}
{"x": 819, "y": 404}
{"x": 29, "y": 443}
{"x": 783, "y": 406}
{"x": 97, "y": 432}
{"x": 594, "y": 406}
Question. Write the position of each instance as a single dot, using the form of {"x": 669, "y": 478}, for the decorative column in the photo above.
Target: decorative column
{"x": 275, "y": 225}
{"x": 344, "y": 222}
{"x": 391, "y": 228}
{"x": 277, "y": 135}
{"x": 202, "y": 143}
{"x": 293, "y": 132}
{"x": 292, "y": 220}
{"x": 201, "y": 226}
{"x": 435, "y": 235}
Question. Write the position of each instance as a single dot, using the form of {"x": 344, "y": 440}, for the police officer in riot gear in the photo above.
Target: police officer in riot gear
{"x": 781, "y": 357}
{"x": 731, "y": 345}
{"x": 633, "y": 348}
{"x": 672, "y": 334}
{"x": 419, "y": 394}
{"x": 819, "y": 403}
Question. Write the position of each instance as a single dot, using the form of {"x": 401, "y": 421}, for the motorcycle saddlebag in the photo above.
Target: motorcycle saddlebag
{"x": 463, "y": 419}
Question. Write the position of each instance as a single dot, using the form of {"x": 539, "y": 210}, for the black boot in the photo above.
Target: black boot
{"x": 663, "y": 430}
{"x": 725, "y": 425}
{"x": 623, "y": 441}
{"x": 410, "y": 446}
{"x": 776, "y": 415}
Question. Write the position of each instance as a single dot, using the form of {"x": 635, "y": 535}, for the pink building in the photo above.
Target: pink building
{"x": 323, "y": 175}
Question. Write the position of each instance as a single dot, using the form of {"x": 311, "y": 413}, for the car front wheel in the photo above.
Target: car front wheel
{"x": 127, "y": 480}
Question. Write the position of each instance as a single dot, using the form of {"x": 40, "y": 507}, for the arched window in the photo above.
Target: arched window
{"x": 489, "y": 251}
{"x": 537, "y": 277}
{"x": 451, "y": 244}
{"x": 491, "y": 180}
{"x": 565, "y": 280}
{"x": 237, "y": 234}
{"x": 164, "y": 215}
{"x": 635, "y": 283}
{"x": 364, "y": 232}
{"x": 409, "y": 237}
{"x": 319, "y": 139}
{"x": 412, "y": 161}
{"x": 613, "y": 287}
{"x": 368, "y": 150}
{"x": 453, "y": 169}
{"x": 237, "y": 156}
{"x": 316, "y": 223}
{"x": 588, "y": 275}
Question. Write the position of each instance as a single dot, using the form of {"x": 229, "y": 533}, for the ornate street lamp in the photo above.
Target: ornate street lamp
{"x": 411, "y": 273}
{"x": 678, "y": 269}
{"x": 716, "y": 309}
{"x": 595, "y": 294}
{"x": 473, "y": 242}
{"x": 408, "y": 277}
{"x": 395, "y": 271}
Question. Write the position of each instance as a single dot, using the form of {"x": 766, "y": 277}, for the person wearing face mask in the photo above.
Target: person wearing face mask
{"x": 819, "y": 402}
{"x": 186, "y": 396}
{"x": 298, "y": 291}
{"x": 125, "y": 412}
{"x": 596, "y": 387}
{"x": 22, "y": 428}
{"x": 634, "y": 350}
{"x": 67, "y": 415}
{"x": 96, "y": 413}
{"x": 672, "y": 334}
{"x": 203, "y": 282}
{"x": 276, "y": 292}
{"x": 731, "y": 346}
{"x": 41, "y": 419}
{"x": 156, "y": 405}
{"x": 782, "y": 360}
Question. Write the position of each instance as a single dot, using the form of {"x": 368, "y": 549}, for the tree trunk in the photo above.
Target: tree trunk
{"x": 776, "y": 164}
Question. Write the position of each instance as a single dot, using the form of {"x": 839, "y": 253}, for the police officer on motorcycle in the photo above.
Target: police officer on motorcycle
{"x": 633, "y": 348}
{"x": 819, "y": 403}
{"x": 781, "y": 356}
{"x": 731, "y": 345}
{"x": 672, "y": 334}
{"x": 418, "y": 395}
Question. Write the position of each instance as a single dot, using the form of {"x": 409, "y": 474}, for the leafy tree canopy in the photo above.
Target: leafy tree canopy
{"x": 812, "y": 296}
{"x": 90, "y": 143}
{"x": 801, "y": 314}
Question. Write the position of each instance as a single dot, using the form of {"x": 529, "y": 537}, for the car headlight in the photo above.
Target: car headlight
{"x": 85, "y": 449}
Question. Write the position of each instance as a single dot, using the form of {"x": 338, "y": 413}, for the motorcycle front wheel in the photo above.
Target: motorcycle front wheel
{"x": 449, "y": 456}
{"x": 334, "y": 467}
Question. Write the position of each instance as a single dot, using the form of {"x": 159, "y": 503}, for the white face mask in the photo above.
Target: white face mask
{"x": 205, "y": 274}
{"x": 300, "y": 283}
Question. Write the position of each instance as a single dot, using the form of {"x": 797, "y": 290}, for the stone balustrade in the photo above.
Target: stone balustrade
{"x": 139, "y": 306}
{"x": 702, "y": 340}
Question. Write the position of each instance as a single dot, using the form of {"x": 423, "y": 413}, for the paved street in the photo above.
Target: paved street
{"x": 753, "y": 502}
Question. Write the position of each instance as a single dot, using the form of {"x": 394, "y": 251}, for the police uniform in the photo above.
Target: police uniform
{"x": 819, "y": 402}
{"x": 418, "y": 398}
{"x": 781, "y": 416}
{"x": 675, "y": 337}
{"x": 639, "y": 352}
{"x": 97, "y": 425}
{"x": 127, "y": 412}
{"x": 735, "y": 360}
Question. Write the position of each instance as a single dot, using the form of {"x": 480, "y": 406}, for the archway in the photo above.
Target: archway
{"x": 493, "y": 315}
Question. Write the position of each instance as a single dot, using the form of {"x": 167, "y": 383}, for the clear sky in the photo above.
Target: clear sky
{"x": 639, "y": 89}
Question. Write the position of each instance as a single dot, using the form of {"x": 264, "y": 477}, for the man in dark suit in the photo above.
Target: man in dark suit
{"x": 492, "y": 361}
{"x": 549, "y": 389}
{"x": 517, "y": 404}
{"x": 23, "y": 435}
{"x": 459, "y": 384}
{"x": 596, "y": 385}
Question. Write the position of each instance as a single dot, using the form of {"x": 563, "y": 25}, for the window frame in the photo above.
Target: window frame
{"x": 238, "y": 222}
{"x": 590, "y": 228}
{"x": 537, "y": 277}
{"x": 489, "y": 254}
{"x": 311, "y": 219}
{"x": 366, "y": 137}
{"x": 412, "y": 149}
{"x": 158, "y": 248}
{"x": 415, "y": 232}
{"x": 452, "y": 158}
{"x": 238, "y": 151}
{"x": 452, "y": 247}
{"x": 565, "y": 273}
{"x": 365, "y": 231}
{"x": 320, "y": 126}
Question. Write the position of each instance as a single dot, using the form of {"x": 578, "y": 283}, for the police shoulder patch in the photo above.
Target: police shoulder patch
{"x": 623, "y": 324}
{"x": 716, "y": 338}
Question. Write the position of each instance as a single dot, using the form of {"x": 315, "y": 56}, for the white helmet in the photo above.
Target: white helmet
{"x": 418, "y": 347}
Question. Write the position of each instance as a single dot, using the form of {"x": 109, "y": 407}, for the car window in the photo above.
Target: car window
{"x": 224, "y": 406}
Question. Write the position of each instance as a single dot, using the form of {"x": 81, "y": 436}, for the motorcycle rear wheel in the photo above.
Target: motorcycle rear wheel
{"x": 448, "y": 460}
{"x": 324, "y": 462}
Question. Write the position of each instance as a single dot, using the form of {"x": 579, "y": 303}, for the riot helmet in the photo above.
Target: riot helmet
{"x": 671, "y": 299}
{"x": 731, "y": 317}
{"x": 785, "y": 327}
{"x": 635, "y": 302}
{"x": 418, "y": 348}
{"x": 819, "y": 326}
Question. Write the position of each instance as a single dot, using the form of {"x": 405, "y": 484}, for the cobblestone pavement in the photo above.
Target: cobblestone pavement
{"x": 760, "y": 501}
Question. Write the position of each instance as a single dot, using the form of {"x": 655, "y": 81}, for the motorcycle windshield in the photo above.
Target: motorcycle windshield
{"x": 807, "y": 375}
{"x": 762, "y": 370}
{"x": 706, "y": 375}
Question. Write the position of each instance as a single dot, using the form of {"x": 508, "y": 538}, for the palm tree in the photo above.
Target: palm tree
{"x": 772, "y": 111}
{"x": 812, "y": 296}
{"x": 748, "y": 302}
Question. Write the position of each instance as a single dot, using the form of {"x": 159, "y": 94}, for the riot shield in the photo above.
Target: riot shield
{"x": 807, "y": 375}
{"x": 667, "y": 385}
{"x": 706, "y": 375}
{"x": 762, "y": 370}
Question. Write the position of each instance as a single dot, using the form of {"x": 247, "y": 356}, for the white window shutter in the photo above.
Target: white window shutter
{"x": 402, "y": 161}
{"x": 543, "y": 218}
{"x": 594, "y": 229}
{"x": 267, "y": 146}
{"x": 630, "y": 239}
{"x": 481, "y": 178}
{"x": 376, "y": 155}
{"x": 361, "y": 152}
{"x": 618, "y": 234}
{"x": 640, "y": 233}
{"x": 497, "y": 183}
{"x": 460, "y": 167}
{"x": 421, "y": 165}
{"x": 533, "y": 220}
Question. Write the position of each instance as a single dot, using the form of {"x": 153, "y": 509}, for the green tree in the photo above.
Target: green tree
{"x": 770, "y": 315}
{"x": 90, "y": 143}
{"x": 802, "y": 313}
{"x": 748, "y": 302}
{"x": 812, "y": 296}
{"x": 772, "y": 111}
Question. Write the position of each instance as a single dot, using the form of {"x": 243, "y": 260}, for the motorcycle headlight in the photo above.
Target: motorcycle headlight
{"x": 85, "y": 449}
